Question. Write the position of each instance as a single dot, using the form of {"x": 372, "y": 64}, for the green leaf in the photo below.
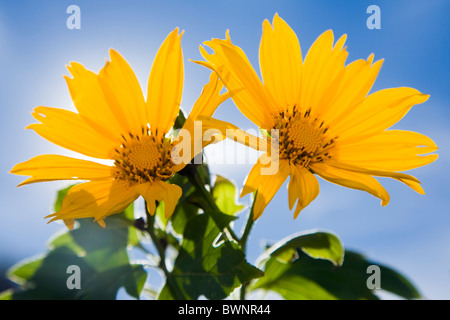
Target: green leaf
{"x": 290, "y": 283}
{"x": 225, "y": 194}
{"x": 100, "y": 253}
{"x": 45, "y": 277}
{"x": 206, "y": 268}
{"x": 22, "y": 272}
{"x": 184, "y": 210}
{"x": 49, "y": 277}
{"x": 318, "y": 245}
{"x": 7, "y": 294}
{"x": 391, "y": 280}
{"x": 194, "y": 189}
{"x": 309, "y": 278}
{"x": 131, "y": 277}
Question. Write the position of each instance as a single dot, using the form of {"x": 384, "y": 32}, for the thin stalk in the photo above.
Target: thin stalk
{"x": 248, "y": 227}
{"x": 162, "y": 255}
{"x": 243, "y": 243}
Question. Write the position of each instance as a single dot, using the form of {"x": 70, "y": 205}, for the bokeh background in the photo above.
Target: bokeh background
{"x": 411, "y": 234}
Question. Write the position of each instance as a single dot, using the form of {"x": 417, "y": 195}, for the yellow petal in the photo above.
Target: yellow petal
{"x": 413, "y": 185}
{"x": 165, "y": 84}
{"x": 303, "y": 186}
{"x": 123, "y": 93}
{"x": 350, "y": 90}
{"x": 206, "y": 105}
{"x": 379, "y": 111}
{"x": 70, "y": 223}
{"x": 160, "y": 191}
{"x": 405, "y": 178}
{"x": 233, "y": 132}
{"x": 280, "y": 59}
{"x": 55, "y": 167}
{"x": 210, "y": 98}
{"x": 323, "y": 64}
{"x": 252, "y": 181}
{"x": 266, "y": 185}
{"x": 69, "y": 130}
{"x": 91, "y": 103}
{"x": 352, "y": 180}
{"x": 96, "y": 199}
{"x": 393, "y": 150}
{"x": 241, "y": 80}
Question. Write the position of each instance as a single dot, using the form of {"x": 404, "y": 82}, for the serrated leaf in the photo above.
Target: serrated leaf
{"x": 131, "y": 277}
{"x": 206, "y": 268}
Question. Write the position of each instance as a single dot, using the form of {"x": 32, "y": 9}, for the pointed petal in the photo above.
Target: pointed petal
{"x": 69, "y": 130}
{"x": 234, "y": 133}
{"x": 69, "y": 223}
{"x": 241, "y": 80}
{"x": 210, "y": 98}
{"x": 350, "y": 89}
{"x": 265, "y": 185}
{"x": 352, "y": 180}
{"x": 379, "y": 111}
{"x": 96, "y": 199}
{"x": 280, "y": 59}
{"x": 206, "y": 105}
{"x": 303, "y": 186}
{"x": 409, "y": 180}
{"x": 55, "y": 167}
{"x": 165, "y": 84}
{"x": 91, "y": 103}
{"x": 392, "y": 150}
{"x": 323, "y": 65}
{"x": 123, "y": 93}
{"x": 252, "y": 181}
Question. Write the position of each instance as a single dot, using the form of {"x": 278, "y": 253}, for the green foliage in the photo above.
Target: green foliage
{"x": 101, "y": 254}
{"x": 205, "y": 267}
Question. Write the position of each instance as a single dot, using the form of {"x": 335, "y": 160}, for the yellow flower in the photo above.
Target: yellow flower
{"x": 328, "y": 124}
{"x": 114, "y": 122}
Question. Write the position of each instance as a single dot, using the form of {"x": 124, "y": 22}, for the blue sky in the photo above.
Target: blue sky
{"x": 410, "y": 234}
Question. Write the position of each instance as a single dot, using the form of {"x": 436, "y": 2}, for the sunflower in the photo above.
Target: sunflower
{"x": 115, "y": 123}
{"x": 324, "y": 120}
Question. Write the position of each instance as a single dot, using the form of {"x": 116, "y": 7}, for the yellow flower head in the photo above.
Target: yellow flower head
{"x": 115, "y": 122}
{"x": 324, "y": 120}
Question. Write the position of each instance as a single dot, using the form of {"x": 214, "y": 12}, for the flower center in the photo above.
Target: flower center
{"x": 301, "y": 138}
{"x": 143, "y": 158}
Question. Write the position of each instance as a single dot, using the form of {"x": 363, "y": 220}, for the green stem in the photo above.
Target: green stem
{"x": 243, "y": 243}
{"x": 248, "y": 227}
{"x": 212, "y": 206}
{"x": 162, "y": 256}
